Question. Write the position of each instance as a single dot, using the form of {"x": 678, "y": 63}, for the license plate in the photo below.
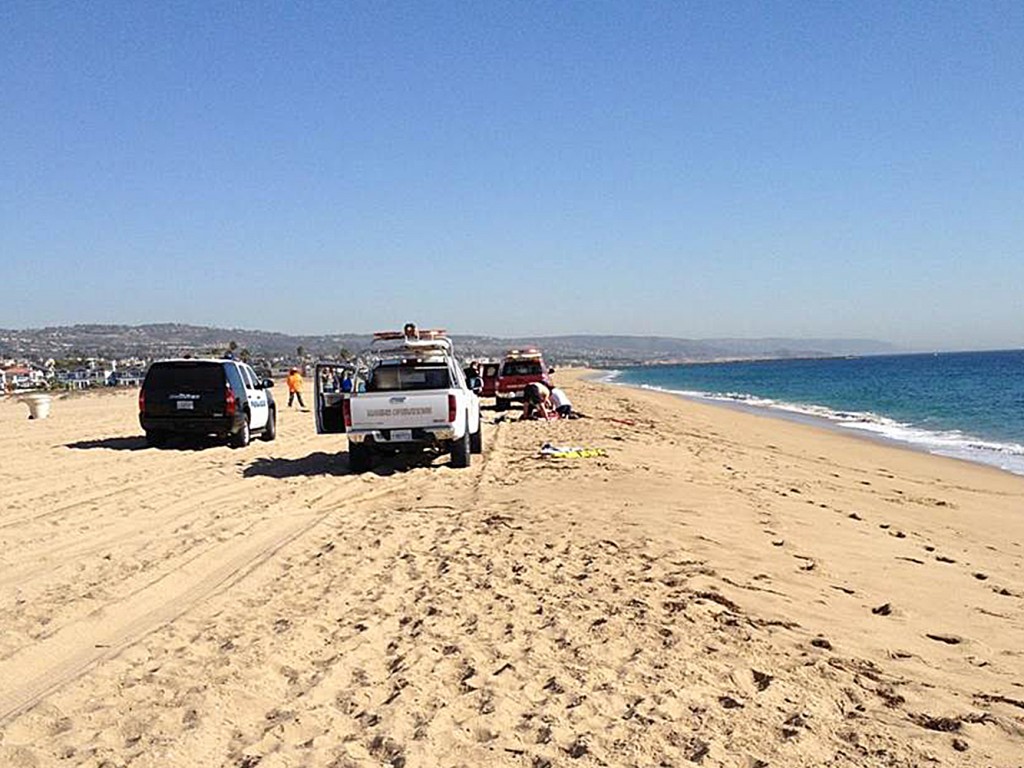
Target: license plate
{"x": 185, "y": 405}
{"x": 401, "y": 435}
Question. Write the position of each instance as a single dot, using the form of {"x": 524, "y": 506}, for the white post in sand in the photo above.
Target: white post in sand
{"x": 38, "y": 405}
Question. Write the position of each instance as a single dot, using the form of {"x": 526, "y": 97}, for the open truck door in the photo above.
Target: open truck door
{"x": 332, "y": 385}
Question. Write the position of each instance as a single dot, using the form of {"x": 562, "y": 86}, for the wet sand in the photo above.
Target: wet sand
{"x": 719, "y": 589}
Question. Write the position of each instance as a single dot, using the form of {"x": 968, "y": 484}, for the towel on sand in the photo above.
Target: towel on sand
{"x": 570, "y": 452}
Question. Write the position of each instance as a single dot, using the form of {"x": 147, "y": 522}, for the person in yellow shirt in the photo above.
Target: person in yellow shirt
{"x": 295, "y": 387}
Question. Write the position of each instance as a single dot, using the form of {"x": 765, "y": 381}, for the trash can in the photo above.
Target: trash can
{"x": 38, "y": 405}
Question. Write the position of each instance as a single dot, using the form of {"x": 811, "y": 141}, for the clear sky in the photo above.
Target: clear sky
{"x": 691, "y": 169}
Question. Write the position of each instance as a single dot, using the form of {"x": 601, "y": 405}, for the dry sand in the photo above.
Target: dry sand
{"x": 721, "y": 589}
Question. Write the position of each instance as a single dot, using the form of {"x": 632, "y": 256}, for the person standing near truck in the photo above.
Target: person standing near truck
{"x": 295, "y": 387}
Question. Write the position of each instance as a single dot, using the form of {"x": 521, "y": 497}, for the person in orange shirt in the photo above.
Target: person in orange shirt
{"x": 295, "y": 387}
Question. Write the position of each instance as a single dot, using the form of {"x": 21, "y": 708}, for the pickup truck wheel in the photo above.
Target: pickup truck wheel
{"x": 242, "y": 437}
{"x": 359, "y": 457}
{"x": 476, "y": 440}
{"x": 270, "y": 431}
{"x": 460, "y": 452}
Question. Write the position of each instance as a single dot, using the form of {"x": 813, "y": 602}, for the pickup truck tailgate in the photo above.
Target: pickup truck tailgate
{"x": 399, "y": 410}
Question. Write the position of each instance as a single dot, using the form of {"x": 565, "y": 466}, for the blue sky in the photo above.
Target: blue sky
{"x": 684, "y": 169}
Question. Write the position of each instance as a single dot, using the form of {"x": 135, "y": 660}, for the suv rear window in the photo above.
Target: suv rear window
{"x": 184, "y": 375}
{"x": 522, "y": 368}
{"x": 397, "y": 378}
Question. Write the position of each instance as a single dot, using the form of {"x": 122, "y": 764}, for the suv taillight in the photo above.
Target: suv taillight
{"x": 142, "y": 401}
{"x": 230, "y": 404}
{"x": 346, "y": 412}
{"x": 451, "y": 409}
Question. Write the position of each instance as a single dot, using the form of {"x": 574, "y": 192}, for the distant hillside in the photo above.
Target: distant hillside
{"x": 163, "y": 340}
{"x": 172, "y": 339}
{"x": 660, "y": 349}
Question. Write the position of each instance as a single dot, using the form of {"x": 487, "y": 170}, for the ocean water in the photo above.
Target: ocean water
{"x": 969, "y": 405}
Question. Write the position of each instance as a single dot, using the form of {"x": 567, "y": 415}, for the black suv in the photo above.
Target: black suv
{"x": 224, "y": 398}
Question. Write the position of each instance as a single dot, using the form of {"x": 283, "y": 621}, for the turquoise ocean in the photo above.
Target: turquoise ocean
{"x": 968, "y": 405}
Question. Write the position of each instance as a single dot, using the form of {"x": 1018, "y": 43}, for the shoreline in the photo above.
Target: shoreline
{"x": 793, "y": 415}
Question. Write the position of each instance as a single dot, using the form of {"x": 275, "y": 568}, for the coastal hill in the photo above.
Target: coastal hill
{"x": 170, "y": 339}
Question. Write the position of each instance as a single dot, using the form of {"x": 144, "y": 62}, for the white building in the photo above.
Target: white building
{"x": 127, "y": 377}
{"x": 23, "y": 377}
{"x": 82, "y": 378}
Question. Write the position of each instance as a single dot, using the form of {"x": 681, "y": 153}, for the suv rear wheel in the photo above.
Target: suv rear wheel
{"x": 155, "y": 438}
{"x": 242, "y": 437}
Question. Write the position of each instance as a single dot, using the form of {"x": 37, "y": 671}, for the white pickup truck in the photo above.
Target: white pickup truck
{"x": 410, "y": 395}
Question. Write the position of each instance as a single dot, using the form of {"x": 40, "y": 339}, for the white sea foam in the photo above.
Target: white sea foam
{"x": 955, "y": 444}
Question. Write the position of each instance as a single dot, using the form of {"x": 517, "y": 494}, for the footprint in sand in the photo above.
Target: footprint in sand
{"x": 578, "y": 748}
{"x": 761, "y": 680}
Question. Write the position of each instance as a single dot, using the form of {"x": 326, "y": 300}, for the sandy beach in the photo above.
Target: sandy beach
{"x": 718, "y": 589}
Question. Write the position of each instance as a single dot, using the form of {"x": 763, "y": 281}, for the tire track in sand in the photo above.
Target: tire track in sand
{"x": 28, "y": 676}
{"x": 31, "y": 674}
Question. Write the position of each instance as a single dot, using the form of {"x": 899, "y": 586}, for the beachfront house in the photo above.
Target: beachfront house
{"x": 83, "y": 378}
{"x": 23, "y": 377}
{"x": 129, "y": 377}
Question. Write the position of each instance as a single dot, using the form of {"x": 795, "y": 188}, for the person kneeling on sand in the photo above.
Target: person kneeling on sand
{"x": 561, "y": 403}
{"x": 535, "y": 401}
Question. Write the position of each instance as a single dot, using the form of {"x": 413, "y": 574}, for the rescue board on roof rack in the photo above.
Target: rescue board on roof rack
{"x": 421, "y": 334}
{"x": 403, "y": 345}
